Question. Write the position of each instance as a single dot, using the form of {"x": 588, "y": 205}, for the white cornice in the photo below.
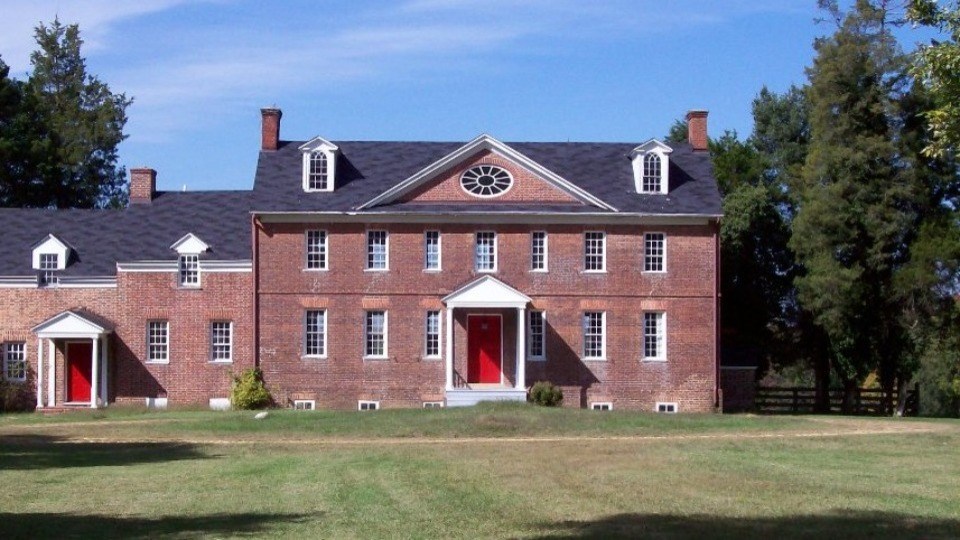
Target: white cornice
{"x": 242, "y": 265}
{"x": 540, "y": 218}
{"x": 64, "y": 282}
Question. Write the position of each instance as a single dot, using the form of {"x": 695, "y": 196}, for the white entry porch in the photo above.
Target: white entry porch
{"x": 84, "y": 346}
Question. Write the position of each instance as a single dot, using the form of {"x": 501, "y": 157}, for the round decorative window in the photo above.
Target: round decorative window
{"x": 486, "y": 181}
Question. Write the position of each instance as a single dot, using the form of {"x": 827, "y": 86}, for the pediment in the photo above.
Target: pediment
{"x": 317, "y": 143}
{"x": 69, "y": 324}
{"x": 487, "y": 291}
{"x": 440, "y": 181}
{"x": 651, "y": 145}
{"x": 190, "y": 244}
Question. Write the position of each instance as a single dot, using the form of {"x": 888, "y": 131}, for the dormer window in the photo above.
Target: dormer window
{"x": 49, "y": 256}
{"x": 188, "y": 249}
{"x": 319, "y": 164}
{"x": 49, "y": 264}
{"x": 651, "y": 167}
{"x": 189, "y": 270}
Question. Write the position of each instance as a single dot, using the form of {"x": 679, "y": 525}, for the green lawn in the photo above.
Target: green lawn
{"x": 491, "y": 471}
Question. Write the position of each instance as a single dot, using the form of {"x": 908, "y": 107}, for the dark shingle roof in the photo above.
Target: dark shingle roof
{"x": 366, "y": 169}
{"x": 102, "y": 238}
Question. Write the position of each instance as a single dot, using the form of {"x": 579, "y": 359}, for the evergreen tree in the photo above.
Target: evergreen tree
{"x": 79, "y": 123}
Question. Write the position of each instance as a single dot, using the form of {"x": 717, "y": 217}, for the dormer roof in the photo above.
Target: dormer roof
{"x": 190, "y": 244}
{"x": 650, "y": 145}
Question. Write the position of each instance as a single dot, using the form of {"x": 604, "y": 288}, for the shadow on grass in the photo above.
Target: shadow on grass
{"x": 56, "y": 525}
{"x": 32, "y": 452}
{"x": 839, "y": 524}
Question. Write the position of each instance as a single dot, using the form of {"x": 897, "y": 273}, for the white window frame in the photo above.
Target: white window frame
{"x": 665, "y": 405}
{"x": 322, "y": 178}
{"x": 323, "y": 249}
{"x": 433, "y": 405}
{"x": 48, "y": 269}
{"x": 639, "y": 160}
{"x": 658, "y": 178}
{"x": 386, "y": 334}
{"x": 426, "y": 251}
{"x": 660, "y": 336}
{"x": 599, "y": 406}
{"x": 476, "y": 253}
{"x": 603, "y": 336}
{"x": 546, "y": 251}
{"x": 214, "y": 344}
{"x": 304, "y": 405}
{"x": 603, "y": 252}
{"x": 184, "y": 270}
{"x": 543, "y": 337}
{"x": 426, "y": 335}
{"x": 165, "y": 359}
{"x": 8, "y": 361}
{"x": 306, "y": 334}
{"x": 663, "y": 255}
{"x": 386, "y": 251}
{"x": 368, "y": 405}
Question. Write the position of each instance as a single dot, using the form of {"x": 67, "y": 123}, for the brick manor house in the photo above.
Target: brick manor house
{"x": 361, "y": 274}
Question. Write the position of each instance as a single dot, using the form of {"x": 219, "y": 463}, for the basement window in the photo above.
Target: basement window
{"x": 304, "y": 404}
{"x": 432, "y": 404}
{"x": 368, "y": 405}
{"x": 667, "y": 407}
{"x": 601, "y": 406}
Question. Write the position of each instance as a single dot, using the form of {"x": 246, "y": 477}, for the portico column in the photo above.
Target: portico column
{"x": 103, "y": 373}
{"x": 95, "y": 373}
{"x": 448, "y": 358}
{"x": 52, "y": 374}
{"x": 39, "y": 373}
{"x": 521, "y": 348}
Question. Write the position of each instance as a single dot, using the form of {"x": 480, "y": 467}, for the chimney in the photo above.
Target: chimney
{"x": 143, "y": 185}
{"x": 270, "y": 128}
{"x": 697, "y": 129}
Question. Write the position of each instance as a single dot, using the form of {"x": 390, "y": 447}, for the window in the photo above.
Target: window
{"x": 431, "y": 250}
{"x": 432, "y": 404}
{"x": 316, "y": 250}
{"x": 486, "y": 181}
{"x": 49, "y": 264}
{"x": 304, "y": 404}
{"x": 221, "y": 341}
{"x": 15, "y": 361}
{"x": 315, "y": 334}
{"x": 432, "y": 340}
{"x": 377, "y": 256}
{"x": 317, "y": 178}
{"x": 158, "y": 341}
{"x": 654, "y": 251}
{"x": 594, "y": 338}
{"x": 654, "y": 336}
{"x": 537, "y": 333}
{"x": 651, "y": 174}
{"x": 594, "y": 252}
{"x": 375, "y": 335}
{"x": 666, "y": 407}
{"x": 189, "y": 270}
{"x": 368, "y": 405}
{"x": 538, "y": 251}
{"x": 601, "y": 406}
{"x": 485, "y": 257}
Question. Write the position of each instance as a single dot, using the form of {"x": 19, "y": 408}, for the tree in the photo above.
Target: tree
{"x": 11, "y": 143}
{"x": 69, "y": 124}
{"x": 938, "y": 66}
{"x": 854, "y": 215}
{"x": 678, "y": 132}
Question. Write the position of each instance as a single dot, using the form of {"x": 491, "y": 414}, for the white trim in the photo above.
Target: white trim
{"x": 643, "y": 262}
{"x": 426, "y": 320}
{"x": 543, "y": 340}
{"x": 304, "y": 339}
{"x": 500, "y": 317}
{"x": 190, "y": 244}
{"x": 487, "y": 292}
{"x": 309, "y": 405}
{"x": 637, "y": 156}
{"x": 596, "y": 405}
{"x": 184, "y": 263}
{"x": 506, "y": 217}
{"x": 165, "y": 360}
{"x": 51, "y": 245}
{"x": 81, "y": 327}
{"x": 546, "y": 251}
{"x": 386, "y": 253}
{"x": 603, "y": 337}
{"x": 326, "y": 250}
{"x": 662, "y": 339}
{"x": 230, "y": 344}
{"x": 439, "y": 250}
{"x": 64, "y": 282}
{"x": 330, "y": 151}
{"x": 375, "y": 405}
{"x": 484, "y": 142}
{"x": 666, "y": 405}
{"x": 386, "y": 335}
{"x": 213, "y": 266}
{"x": 496, "y": 254}
{"x": 603, "y": 252}
{"x": 491, "y": 196}
{"x": 4, "y": 349}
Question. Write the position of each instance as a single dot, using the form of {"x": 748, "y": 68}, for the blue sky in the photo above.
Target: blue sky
{"x": 538, "y": 70}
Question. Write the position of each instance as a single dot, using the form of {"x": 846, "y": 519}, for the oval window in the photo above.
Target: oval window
{"x": 486, "y": 181}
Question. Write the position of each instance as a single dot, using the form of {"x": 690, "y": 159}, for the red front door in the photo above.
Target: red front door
{"x": 79, "y": 371}
{"x": 483, "y": 349}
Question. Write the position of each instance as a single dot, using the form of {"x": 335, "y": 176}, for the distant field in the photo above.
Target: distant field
{"x": 485, "y": 472}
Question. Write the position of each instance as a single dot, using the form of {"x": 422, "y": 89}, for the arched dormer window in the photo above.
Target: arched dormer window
{"x": 651, "y": 174}
{"x": 651, "y": 167}
{"x": 319, "y": 164}
{"x": 318, "y": 179}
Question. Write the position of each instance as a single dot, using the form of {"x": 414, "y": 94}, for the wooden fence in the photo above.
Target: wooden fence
{"x": 800, "y": 400}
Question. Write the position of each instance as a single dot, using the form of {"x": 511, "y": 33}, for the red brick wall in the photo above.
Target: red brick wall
{"x": 527, "y": 187}
{"x": 685, "y": 292}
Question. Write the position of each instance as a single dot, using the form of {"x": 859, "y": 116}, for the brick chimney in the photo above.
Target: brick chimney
{"x": 143, "y": 185}
{"x": 697, "y": 129}
{"x": 270, "y": 128}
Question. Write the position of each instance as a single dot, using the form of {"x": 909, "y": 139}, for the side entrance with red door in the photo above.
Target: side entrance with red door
{"x": 484, "y": 349}
{"x": 79, "y": 371}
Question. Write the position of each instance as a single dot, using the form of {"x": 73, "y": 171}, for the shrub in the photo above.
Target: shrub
{"x": 19, "y": 396}
{"x": 545, "y": 393}
{"x": 249, "y": 392}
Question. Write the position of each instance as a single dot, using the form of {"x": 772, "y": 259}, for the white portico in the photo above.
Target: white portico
{"x": 84, "y": 381}
{"x": 483, "y": 378}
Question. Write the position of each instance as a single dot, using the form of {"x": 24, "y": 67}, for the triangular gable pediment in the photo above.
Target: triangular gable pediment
{"x": 652, "y": 144}
{"x": 69, "y": 324}
{"x": 487, "y": 291}
{"x": 469, "y": 151}
{"x": 50, "y": 243}
{"x": 190, "y": 243}
{"x": 317, "y": 143}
